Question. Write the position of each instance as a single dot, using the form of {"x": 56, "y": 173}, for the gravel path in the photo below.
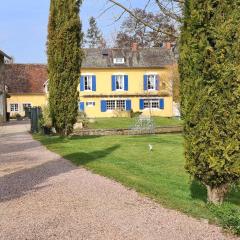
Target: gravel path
{"x": 43, "y": 196}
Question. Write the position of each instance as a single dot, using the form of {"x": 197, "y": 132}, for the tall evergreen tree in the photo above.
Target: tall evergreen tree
{"x": 94, "y": 38}
{"x": 210, "y": 87}
{"x": 64, "y": 62}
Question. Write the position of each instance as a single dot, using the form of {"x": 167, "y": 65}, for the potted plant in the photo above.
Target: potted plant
{"x": 18, "y": 117}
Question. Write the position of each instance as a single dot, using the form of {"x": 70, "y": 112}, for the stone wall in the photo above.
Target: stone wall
{"x": 112, "y": 132}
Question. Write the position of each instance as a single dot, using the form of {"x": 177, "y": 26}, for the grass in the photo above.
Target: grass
{"x": 104, "y": 123}
{"x": 158, "y": 174}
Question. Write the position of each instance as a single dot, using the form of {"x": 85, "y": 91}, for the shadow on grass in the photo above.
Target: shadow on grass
{"x": 234, "y": 196}
{"x": 82, "y": 158}
{"x": 198, "y": 191}
{"x": 54, "y": 139}
{"x": 83, "y": 137}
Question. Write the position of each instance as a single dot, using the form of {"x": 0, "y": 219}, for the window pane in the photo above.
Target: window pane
{"x": 26, "y": 105}
{"x": 88, "y": 83}
{"x": 90, "y": 104}
{"x": 110, "y": 104}
{"x": 151, "y": 103}
{"x": 120, "y": 104}
{"x": 151, "y": 82}
{"x": 14, "y": 107}
{"x": 119, "y": 82}
{"x": 116, "y": 104}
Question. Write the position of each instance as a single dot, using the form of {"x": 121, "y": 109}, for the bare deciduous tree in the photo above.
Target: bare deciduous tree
{"x": 134, "y": 31}
{"x": 169, "y": 8}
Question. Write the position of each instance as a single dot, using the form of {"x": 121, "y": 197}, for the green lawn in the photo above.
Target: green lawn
{"x": 158, "y": 174}
{"x": 104, "y": 123}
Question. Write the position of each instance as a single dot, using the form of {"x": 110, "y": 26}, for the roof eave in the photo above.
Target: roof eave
{"x": 5, "y": 55}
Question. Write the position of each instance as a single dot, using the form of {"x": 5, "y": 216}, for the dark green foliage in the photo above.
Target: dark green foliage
{"x": 210, "y": 90}
{"x": 64, "y": 62}
{"x": 94, "y": 38}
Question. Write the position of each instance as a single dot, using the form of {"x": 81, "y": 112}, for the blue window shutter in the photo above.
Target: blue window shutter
{"x": 157, "y": 82}
{"x": 126, "y": 82}
{"x": 145, "y": 82}
{"x": 161, "y": 103}
{"x": 82, "y": 83}
{"x": 81, "y": 106}
{"x": 128, "y": 105}
{"x": 113, "y": 83}
{"x": 103, "y": 106}
{"x": 141, "y": 104}
{"x": 94, "y": 84}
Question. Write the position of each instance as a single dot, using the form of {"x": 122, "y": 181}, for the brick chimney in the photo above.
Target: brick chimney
{"x": 134, "y": 47}
{"x": 168, "y": 45}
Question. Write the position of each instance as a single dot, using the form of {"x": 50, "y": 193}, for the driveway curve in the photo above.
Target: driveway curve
{"x": 43, "y": 196}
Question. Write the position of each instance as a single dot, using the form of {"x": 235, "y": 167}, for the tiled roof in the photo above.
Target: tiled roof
{"x": 25, "y": 78}
{"x": 145, "y": 57}
{"x": 30, "y": 78}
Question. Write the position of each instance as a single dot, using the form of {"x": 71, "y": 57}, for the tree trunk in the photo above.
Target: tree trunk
{"x": 216, "y": 194}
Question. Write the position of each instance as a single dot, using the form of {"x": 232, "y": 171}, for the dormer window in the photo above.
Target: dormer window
{"x": 118, "y": 61}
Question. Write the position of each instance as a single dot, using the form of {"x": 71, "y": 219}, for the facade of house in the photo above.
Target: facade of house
{"x": 3, "y": 87}
{"x": 25, "y": 86}
{"x": 113, "y": 82}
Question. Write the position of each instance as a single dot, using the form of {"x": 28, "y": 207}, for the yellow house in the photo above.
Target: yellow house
{"x": 25, "y": 86}
{"x": 116, "y": 81}
{"x": 113, "y": 82}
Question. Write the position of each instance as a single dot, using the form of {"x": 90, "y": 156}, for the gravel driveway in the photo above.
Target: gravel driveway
{"x": 43, "y": 196}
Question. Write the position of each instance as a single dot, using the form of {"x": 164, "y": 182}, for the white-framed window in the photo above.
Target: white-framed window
{"x": 119, "y": 82}
{"x": 151, "y": 103}
{"x": 87, "y": 82}
{"x": 118, "y": 61}
{"x": 90, "y": 104}
{"x": 27, "y": 105}
{"x": 151, "y": 82}
{"x": 116, "y": 104}
{"x": 14, "y": 107}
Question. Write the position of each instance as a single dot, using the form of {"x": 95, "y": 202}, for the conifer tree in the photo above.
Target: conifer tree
{"x": 94, "y": 38}
{"x": 210, "y": 93}
{"x": 64, "y": 62}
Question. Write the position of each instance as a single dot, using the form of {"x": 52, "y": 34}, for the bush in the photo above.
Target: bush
{"x": 134, "y": 114}
{"x": 228, "y": 216}
{"x": 18, "y": 117}
{"x": 82, "y": 118}
{"x": 45, "y": 120}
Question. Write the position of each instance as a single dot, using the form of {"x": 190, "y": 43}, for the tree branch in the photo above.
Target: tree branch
{"x": 168, "y": 13}
{"x": 140, "y": 20}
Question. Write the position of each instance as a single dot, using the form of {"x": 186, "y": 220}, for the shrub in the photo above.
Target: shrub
{"x": 82, "y": 118}
{"x": 45, "y": 119}
{"x": 134, "y": 114}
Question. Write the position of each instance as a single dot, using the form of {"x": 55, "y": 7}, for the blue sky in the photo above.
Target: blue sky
{"x": 23, "y": 25}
